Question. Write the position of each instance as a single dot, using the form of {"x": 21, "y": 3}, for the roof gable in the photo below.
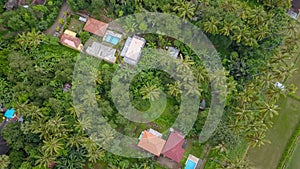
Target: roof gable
{"x": 70, "y": 41}
{"x": 135, "y": 47}
{"x": 173, "y": 147}
{"x": 151, "y": 143}
{"x": 95, "y": 26}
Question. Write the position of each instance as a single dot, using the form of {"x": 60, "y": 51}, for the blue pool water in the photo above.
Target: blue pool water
{"x": 190, "y": 165}
{"x": 112, "y": 39}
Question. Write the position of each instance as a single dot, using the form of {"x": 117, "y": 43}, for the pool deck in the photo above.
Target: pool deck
{"x": 193, "y": 159}
{"x": 113, "y": 34}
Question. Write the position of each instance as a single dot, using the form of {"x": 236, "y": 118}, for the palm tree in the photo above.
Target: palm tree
{"x": 94, "y": 155}
{"x": 192, "y": 88}
{"x": 75, "y": 141}
{"x": 130, "y": 24}
{"x": 211, "y": 26}
{"x": 44, "y": 159}
{"x": 221, "y": 147}
{"x": 4, "y": 161}
{"x": 150, "y": 91}
{"x": 237, "y": 164}
{"x": 256, "y": 138}
{"x": 52, "y": 146}
{"x": 30, "y": 40}
{"x": 268, "y": 109}
{"x": 84, "y": 123}
{"x": 174, "y": 88}
{"x": 106, "y": 136}
{"x": 184, "y": 9}
{"x": 229, "y": 25}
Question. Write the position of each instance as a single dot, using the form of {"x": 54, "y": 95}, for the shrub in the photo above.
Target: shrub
{"x": 84, "y": 36}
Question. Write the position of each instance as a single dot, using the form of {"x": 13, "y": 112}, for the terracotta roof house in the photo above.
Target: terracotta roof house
{"x": 69, "y": 39}
{"x": 173, "y": 148}
{"x": 151, "y": 143}
{"x": 95, "y": 27}
{"x": 132, "y": 49}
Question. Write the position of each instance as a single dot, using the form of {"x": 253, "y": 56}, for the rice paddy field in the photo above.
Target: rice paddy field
{"x": 269, "y": 155}
{"x": 295, "y": 162}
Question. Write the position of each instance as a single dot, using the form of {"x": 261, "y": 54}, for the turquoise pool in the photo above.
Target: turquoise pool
{"x": 112, "y": 39}
{"x": 190, "y": 165}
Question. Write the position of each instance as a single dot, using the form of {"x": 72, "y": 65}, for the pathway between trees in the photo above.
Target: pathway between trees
{"x": 64, "y": 8}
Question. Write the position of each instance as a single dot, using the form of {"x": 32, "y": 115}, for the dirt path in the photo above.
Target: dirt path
{"x": 64, "y": 8}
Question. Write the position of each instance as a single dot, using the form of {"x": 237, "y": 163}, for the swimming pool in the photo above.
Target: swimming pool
{"x": 112, "y": 39}
{"x": 190, "y": 165}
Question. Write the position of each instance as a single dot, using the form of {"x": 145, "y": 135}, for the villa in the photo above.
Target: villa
{"x": 69, "y": 39}
{"x": 151, "y": 142}
{"x": 101, "y": 51}
{"x": 132, "y": 49}
{"x": 95, "y": 26}
{"x": 174, "y": 147}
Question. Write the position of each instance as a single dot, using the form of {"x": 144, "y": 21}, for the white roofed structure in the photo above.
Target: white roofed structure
{"x": 154, "y": 132}
{"x": 102, "y": 52}
{"x": 132, "y": 49}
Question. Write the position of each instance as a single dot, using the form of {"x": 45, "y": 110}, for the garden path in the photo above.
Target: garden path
{"x": 64, "y": 8}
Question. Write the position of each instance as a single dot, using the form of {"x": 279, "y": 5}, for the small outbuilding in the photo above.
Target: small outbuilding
{"x": 82, "y": 19}
{"x": 173, "y": 51}
{"x": 9, "y": 114}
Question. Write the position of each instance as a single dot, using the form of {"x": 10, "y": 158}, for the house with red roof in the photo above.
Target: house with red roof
{"x": 96, "y": 27}
{"x": 69, "y": 39}
{"x": 173, "y": 148}
{"x": 151, "y": 142}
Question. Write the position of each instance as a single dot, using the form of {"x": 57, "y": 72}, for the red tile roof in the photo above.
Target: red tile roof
{"x": 173, "y": 147}
{"x": 96, "y": 27}
{"x": 151, "y": 143}
{"x": 70, "y": 41}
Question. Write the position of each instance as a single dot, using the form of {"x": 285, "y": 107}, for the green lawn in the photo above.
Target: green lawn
{"x": 192, "y": 147}
{"x": 75, "y": 25}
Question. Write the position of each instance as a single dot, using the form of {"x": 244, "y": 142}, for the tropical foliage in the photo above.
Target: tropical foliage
{"x": 257, "y": 45}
